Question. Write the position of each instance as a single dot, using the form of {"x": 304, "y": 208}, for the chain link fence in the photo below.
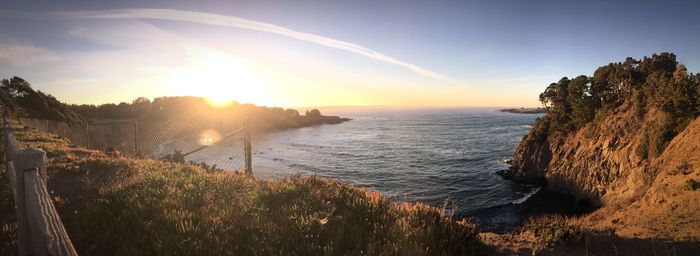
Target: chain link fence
{"x": 219, "y": 145}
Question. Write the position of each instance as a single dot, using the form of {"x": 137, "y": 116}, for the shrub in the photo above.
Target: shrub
{"x": 656, "y": 135}
{"x": 691, "y": 185}
{"x": 684, "y": 169}
{"x": 540, "y": 129}
{"x": 8, "y": 219}
{"x": 550, "y": 230}
{"x": 640, "y": 103}
{"x": 642, "y": 149}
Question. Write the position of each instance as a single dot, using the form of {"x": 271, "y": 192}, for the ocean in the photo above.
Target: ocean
{"x": 436, "y": 156}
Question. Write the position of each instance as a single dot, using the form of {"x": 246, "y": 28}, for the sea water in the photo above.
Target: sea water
{"x": 436, "y": 156}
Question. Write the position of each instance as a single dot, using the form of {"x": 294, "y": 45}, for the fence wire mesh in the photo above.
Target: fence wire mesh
{"x": 220, "y": 145}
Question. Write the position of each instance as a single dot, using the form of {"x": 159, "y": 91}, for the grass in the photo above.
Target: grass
{"x": 551, "y": 230}
{"x": 8, "y": 220}
{"x": 112, "y": 205}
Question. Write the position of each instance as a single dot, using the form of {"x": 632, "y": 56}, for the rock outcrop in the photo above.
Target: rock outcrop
{"x": 599, "y": 163}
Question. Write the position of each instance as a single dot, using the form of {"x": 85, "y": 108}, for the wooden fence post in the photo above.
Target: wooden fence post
{"x": 136, "y": 138}
{"x": 87, "y": 134}
{"x": 49, "y": 237}
{"x": 31, "y": 158}
{"x": 247, "y": 147}
{"x": 24, "y": 238}
{"x": 4, "y": 132}
{"x": 27, "y": 159}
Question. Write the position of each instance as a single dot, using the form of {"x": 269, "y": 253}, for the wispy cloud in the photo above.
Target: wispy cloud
{"x": 22, "y": 54}
{"x": 237, "y": 22}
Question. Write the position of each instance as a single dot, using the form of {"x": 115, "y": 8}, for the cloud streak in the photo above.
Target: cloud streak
{"x": 20, "y": 54}
{"x": 237, "y": 22}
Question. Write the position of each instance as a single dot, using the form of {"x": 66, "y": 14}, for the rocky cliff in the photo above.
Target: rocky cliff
{"x": 597, "y": 163}
{"x": 639, "y": 165}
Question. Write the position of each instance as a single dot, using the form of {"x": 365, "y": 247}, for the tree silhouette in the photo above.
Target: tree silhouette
{"x": 20, "y": 99}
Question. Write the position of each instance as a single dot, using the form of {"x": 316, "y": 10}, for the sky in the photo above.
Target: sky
{"x": 332, "y": 53}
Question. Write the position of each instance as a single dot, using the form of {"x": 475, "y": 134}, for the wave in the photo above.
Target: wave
{"x": 527, "y": 196}
{"x": 304, "y": 167}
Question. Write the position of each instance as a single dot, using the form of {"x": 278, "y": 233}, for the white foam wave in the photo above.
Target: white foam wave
{"x": 527, "y": 196}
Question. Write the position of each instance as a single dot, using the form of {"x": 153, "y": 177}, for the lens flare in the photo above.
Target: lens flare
{"x": 209, "y": 137}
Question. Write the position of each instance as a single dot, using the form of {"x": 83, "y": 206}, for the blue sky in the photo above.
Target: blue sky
{"x": 437, "y": 53}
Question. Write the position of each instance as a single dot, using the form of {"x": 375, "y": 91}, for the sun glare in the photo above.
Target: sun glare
{"x": 218, "y": 101}
{"x": 218, "y": 77}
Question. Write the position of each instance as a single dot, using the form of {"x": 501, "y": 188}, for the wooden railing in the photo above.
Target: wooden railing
{"x": 39, "y": 228}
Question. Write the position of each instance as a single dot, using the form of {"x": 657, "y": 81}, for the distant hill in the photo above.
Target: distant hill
{"x": 197, "y": 110}
{"x": 525, "y": 110}
{"x": 19, "y": 99}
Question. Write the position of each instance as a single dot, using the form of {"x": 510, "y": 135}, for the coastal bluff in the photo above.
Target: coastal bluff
{"x": 636, "y": 159}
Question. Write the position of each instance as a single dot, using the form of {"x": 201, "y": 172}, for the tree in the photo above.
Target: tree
{"x": 313, "y": 113}
{"x": 681, "y": 93}
{"x": 580, "y": 100}
{"x": 141, "y": 101}
{"x": 606, "y": 85}
{"x": 292, "y": 112}
{"x": 656, "y": 82}
{"x": 27, "y": 102}
{"x": 549, "y": 95}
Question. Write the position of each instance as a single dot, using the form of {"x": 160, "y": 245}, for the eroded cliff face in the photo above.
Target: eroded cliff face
{"x": 598, "y": 162}
{"x": 666, "y": 207}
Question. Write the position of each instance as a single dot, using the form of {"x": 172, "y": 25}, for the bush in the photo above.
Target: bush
{"x": 642, "y": 149}
{"x": 684, "y": 169}
{"x": 656, "y": 135}
{"x": 640, "y": 104}
{"x": 550, "y": 230}
{"x": 691, "y": 185}
{"x": 540, "y": 129}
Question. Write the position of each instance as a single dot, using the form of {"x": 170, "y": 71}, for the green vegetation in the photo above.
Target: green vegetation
{"x": 684, "y": 168}
{"x": 658, "y": 82}
{"x": 124, "y": 206}
{"x": 8, "y": 219}
{"x": 656, "y": 135}
{"x": 550, "y": 230}
{"x": 691, "y": 185}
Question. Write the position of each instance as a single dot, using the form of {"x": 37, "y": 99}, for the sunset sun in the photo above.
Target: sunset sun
{"x": 218, "y": 77}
